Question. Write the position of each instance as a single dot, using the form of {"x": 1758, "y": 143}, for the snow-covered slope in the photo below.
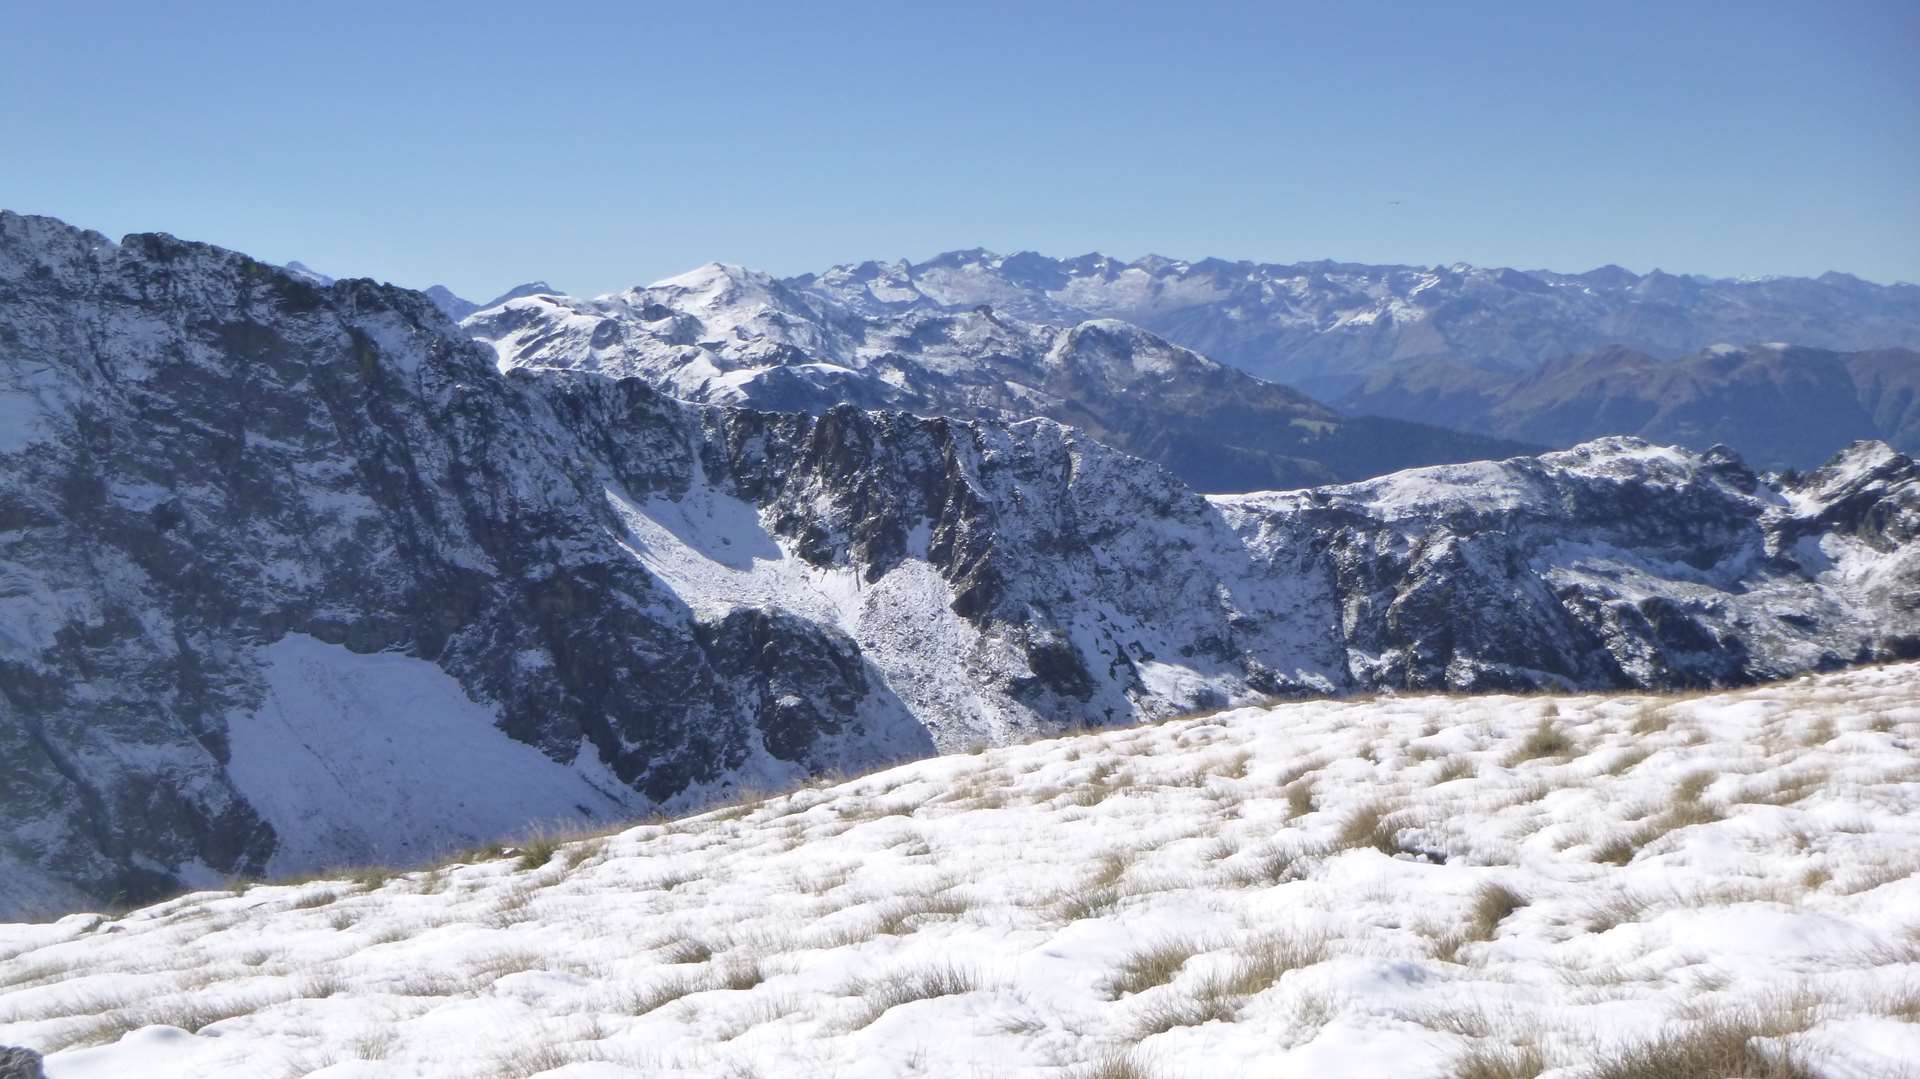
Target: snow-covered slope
{"x": 1324, "y": 325}
{"x": 224, "y": 488}
{"x": 1409, "y": 887}
{"x": 726, "y": 335}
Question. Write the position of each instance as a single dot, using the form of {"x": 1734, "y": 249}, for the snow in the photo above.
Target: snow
{"x": 1672, "y": 859}
{"x": 1488, "y": 487}
{"x": 23, "y": 408}
{"x": 20, "y": 417}
{"x": 715, "y": 553}
{"x": 706, "y": 278}
{"x": 348, "y": 750}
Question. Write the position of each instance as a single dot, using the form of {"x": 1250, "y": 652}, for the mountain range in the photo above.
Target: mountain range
{"x": 1536, "y": 358}
{"x": 1325, "y": 326}
{"x": 727, "y": 335}
{"x": 1781, "y": 406}
{"x": 297, "y": 574}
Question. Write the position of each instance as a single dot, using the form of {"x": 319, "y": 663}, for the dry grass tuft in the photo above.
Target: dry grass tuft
{"x": 491, "y": 968}
{"x": 1100, "y": 892}
{"x": 529, "y": 1060}
{"x": 1116, "y": 1065}
{"x": 1715, "y": 1048}
{"x": 1492, "y": 904}
{"x": 1371, "y": 825}
{"x": 373, "y": 1044}
{"x": 902, "y": 916}
{"x": 1499, "y": 1062}
{"x": 1628, "y": 760}
{"x": 1154, "y": 965}
{"x": 1211, "y": 1002}
{"x": 1650, "y": 719}
{"x": 907, "y": 986}
{"x": 638, "y": 1002}
{"x": 1545, "y": 740}
{"x": 1785, "y": 789}
{"x": 371, "y": 878}
{"x": 192, "y": 1013}
{"x": 687, "y": 950}
{"x": 1271, "y": 957}
{"x": 1684, "y": 810}
{"x": 1299, "y": 798}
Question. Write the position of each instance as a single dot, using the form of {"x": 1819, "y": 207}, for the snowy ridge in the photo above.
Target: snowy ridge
{"x": 1400, "y": 886}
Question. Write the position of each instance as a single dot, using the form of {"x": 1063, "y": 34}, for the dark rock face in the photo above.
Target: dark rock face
{"x": 213, "y": 455}
{"x": 17, "y": 1063}
{"x": 252, "y": 527}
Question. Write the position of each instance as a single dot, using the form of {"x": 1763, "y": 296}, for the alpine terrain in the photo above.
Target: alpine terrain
{"x": 296, "y": 575}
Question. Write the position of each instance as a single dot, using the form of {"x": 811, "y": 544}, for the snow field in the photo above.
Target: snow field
{"x": 1422, "y": 886}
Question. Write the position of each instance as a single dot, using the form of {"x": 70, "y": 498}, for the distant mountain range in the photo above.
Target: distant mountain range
{"x": 1472, "y": 362}
{"x": 726, "y": 335}
{"x": 1780, "y": 406}
{"x": 456, "y": 308}
{"x": 1325, "y": 327}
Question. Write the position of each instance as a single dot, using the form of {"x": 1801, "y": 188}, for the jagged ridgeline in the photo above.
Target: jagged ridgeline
{"x": 291, "y": 574}
{"x": 725, "y": 335}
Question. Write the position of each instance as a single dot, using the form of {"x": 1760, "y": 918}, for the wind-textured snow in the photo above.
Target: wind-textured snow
{"x": 1389, "y": 886}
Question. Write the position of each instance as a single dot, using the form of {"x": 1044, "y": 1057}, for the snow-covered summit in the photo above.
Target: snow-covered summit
{"x": 1417, "y": 887}
{"x": 714, "y": 280}
{"x": 307, "y": 273}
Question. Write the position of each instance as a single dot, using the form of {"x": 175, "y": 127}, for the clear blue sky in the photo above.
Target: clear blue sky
{"x": 604, "y": 145}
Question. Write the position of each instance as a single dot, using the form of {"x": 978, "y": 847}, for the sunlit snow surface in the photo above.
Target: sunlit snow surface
{"x": 1678, "y": 858}
{"x": 350, "y": 756}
